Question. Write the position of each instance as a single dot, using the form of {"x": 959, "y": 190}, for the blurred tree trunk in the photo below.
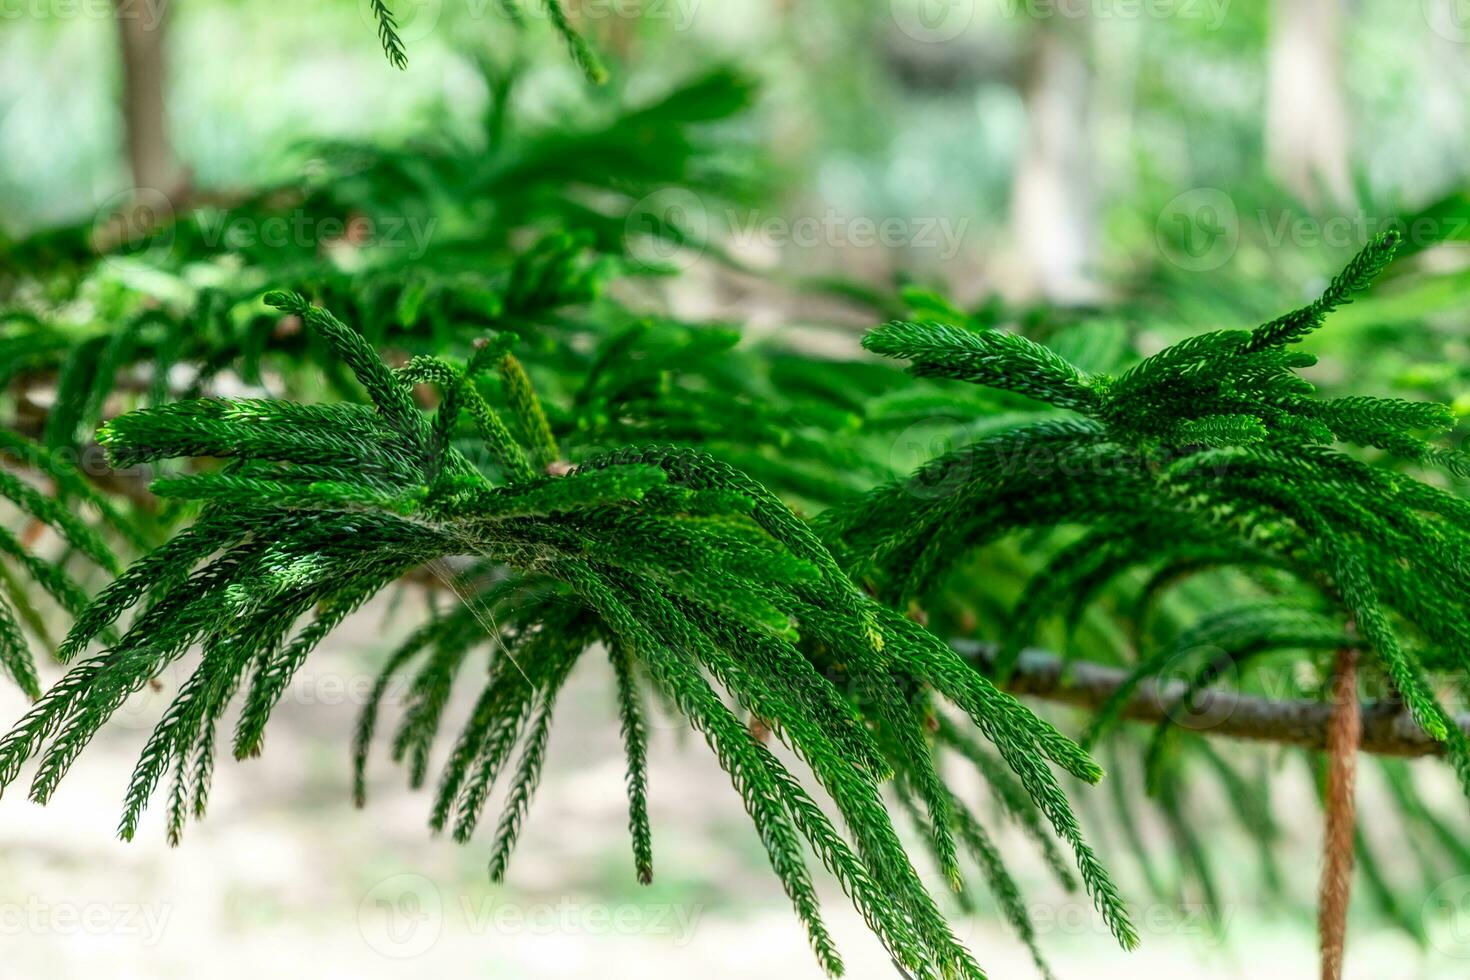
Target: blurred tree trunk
{"x": 141, "y": 32}
{"x": 1052, "y": 206}
{"x": 1306, "y": 112}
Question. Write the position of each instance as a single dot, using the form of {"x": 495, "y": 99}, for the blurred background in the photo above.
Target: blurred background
{"x": 1170, "y": 165}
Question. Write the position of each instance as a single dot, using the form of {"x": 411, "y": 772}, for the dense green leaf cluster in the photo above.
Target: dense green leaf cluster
{"x": 1212, "y": 453}
{"x": 689, "y": 573}
{"x": 22, "y": 568}
{"x": 506, "y": 419}
{"x": 410, "y": 219}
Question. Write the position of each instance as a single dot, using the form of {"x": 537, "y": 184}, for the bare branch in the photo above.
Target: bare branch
{"x": 1387, "y": 729}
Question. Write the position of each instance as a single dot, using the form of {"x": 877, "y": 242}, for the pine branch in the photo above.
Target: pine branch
{"x": 388, "y": 35}
{"x": 1211, "y": 452}
{"x": 582, "y": 54}
{"x": 681, "y": 563}
{"x": 1358, "y": 275}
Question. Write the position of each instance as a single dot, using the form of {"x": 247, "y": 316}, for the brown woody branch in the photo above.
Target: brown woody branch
{"x": 1344, "y": 733}
{"x": 1387, "y": 729}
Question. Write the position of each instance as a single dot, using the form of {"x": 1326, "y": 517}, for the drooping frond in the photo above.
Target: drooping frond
{"x": 1214, "y": 452}
{"x": 388, "y": 35}
{"x": 687, "y": 571}
{"x": 582, "y": 54}
{"x": 22, "y": 563}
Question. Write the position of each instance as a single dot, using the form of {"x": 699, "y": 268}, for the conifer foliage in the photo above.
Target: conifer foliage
{"x": 561, "y": 532}
{"x": 686, "y": 572}
{"x": 582, "y": 54}
{"x": 23, "y": 568}
{"x": 588, "y": 478}
{"x": 1213, "y": 452}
